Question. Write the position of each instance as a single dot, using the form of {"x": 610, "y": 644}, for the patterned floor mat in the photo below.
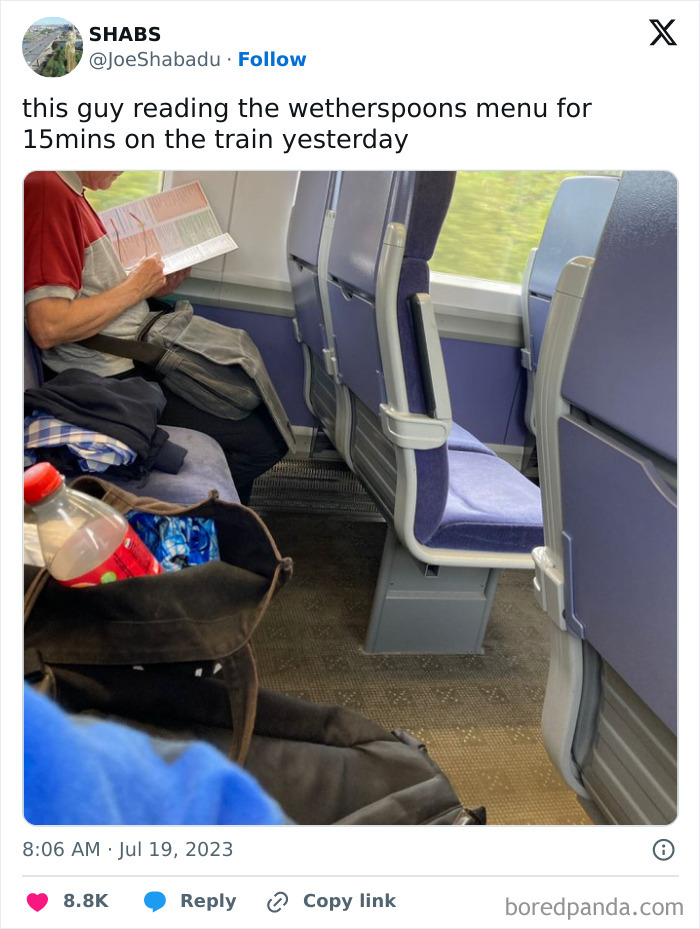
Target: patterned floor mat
{"x": 478, "y": 714}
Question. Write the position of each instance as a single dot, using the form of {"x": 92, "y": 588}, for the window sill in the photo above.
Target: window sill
{"x": 477, "y": 310}
{"x": 251, "y": 298}
{"x": 465, "y": 308}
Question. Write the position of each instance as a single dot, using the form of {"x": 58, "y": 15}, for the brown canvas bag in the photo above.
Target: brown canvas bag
{"x": 323, "y": 764}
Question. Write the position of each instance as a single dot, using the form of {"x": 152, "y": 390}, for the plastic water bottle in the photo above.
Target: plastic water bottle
{"x": 83, "y": 540}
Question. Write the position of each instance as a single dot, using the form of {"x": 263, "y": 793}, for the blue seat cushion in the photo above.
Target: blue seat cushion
{"x": 463, "y": 441}
{"x": 204, "y": 469}
{"x": 490, "y": 507}
{"x": 432, "y": 468}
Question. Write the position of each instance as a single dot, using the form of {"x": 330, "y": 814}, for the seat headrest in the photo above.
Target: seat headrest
{"x": 574, "y": 226}
{"x": 368, "y": 202}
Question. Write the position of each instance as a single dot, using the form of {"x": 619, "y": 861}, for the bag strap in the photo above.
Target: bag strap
{"x": 33, "y": 662}
{"x": 126, "y": 348}
{"x": 32, "y": 592}
{"x": 137, "y": 349}
{"x": 153, "y": 318}
{"x": 241, "y": 679}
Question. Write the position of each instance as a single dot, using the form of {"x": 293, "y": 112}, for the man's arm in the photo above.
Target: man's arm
{"x": 54, "y": 320}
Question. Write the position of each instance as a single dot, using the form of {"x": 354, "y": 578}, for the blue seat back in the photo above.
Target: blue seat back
{"x": 622, "y": 364}
{"x": 314, "y": 196}
{"x": 618, "y": 448}
{"x": 367, "y": 204}
{"x": 574, "y": 226}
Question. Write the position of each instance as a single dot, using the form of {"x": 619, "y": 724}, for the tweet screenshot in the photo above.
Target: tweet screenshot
{"x": 353, "y": 410}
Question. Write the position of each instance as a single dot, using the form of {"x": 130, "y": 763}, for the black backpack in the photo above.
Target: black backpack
{"x": 190, "y": 631}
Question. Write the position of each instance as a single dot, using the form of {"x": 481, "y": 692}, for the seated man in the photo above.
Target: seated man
{"x": 78, "y": 771}
{"x": 75, "y": 287}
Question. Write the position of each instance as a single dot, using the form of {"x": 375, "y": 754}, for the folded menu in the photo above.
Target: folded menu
{"x": 178, "y": 224}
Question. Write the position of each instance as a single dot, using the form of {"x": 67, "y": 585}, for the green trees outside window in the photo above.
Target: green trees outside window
{"x": 494, "y": 219}
{"x": 132, "y": 185}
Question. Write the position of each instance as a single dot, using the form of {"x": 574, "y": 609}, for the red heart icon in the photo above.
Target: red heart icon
{"x": 37, "y": 901}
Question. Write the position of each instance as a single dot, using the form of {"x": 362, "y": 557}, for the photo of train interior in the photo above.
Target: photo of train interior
{"x": 475, "y": 375}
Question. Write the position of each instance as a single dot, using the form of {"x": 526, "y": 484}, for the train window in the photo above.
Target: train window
{"x": 132, "y": 185}
{"x": 494, "y": 219}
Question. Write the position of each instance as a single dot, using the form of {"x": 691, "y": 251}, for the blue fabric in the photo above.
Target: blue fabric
{"x": 415, "y": 279}
{"x": 432, "y": 194}
{"x": 203, "y": 470}
{"x": 429, "y": 194}
{"x": 432, "y": 473}
{"x": 461, "y": 440}
{"x": 176, "y": 542}
{"x": 95, "y": 451}
{"x": 490, "y": 507}
{"x": 81, "y": 772}
{"x": 433, "y": 481}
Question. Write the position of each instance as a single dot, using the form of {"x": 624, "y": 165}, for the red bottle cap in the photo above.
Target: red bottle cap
{"x": 39, "y": 481}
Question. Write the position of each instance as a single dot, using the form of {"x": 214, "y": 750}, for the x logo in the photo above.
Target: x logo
{"x": 663, "y": 31}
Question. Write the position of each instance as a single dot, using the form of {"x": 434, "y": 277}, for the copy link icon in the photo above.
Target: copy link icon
{"x": 275, "y": 904}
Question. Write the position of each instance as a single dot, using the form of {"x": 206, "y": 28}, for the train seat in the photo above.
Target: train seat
{"x": 456, "y": 513}
{"x": 461, "y": 440}
{"x": 607, "y": 575}
{"x": 306, "y": 223}
{"x": 574, "y": 226}
{"x": 488, "y": 506}
{"x": 308, "y": 241}
{"x": 203, "y": 469}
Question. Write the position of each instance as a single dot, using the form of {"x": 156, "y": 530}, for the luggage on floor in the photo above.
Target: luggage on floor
{"x": 171, "y": 654}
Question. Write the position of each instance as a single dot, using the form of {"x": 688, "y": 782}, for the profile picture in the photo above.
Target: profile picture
{"x": 52, "y": 47}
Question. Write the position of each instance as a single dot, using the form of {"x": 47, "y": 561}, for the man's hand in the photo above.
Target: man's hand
{"x": 172, "y": 282}
{"x": 146, "y": 279}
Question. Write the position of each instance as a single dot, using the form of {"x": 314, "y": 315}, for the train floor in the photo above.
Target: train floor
{"x": 479, "y": 715}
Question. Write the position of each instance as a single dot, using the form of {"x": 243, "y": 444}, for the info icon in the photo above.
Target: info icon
{"x": 663, "y": 849}
{"x": 52, "y": 47}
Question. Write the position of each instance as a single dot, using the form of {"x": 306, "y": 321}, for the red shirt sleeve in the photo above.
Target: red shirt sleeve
{"x": 54, "y": 238}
